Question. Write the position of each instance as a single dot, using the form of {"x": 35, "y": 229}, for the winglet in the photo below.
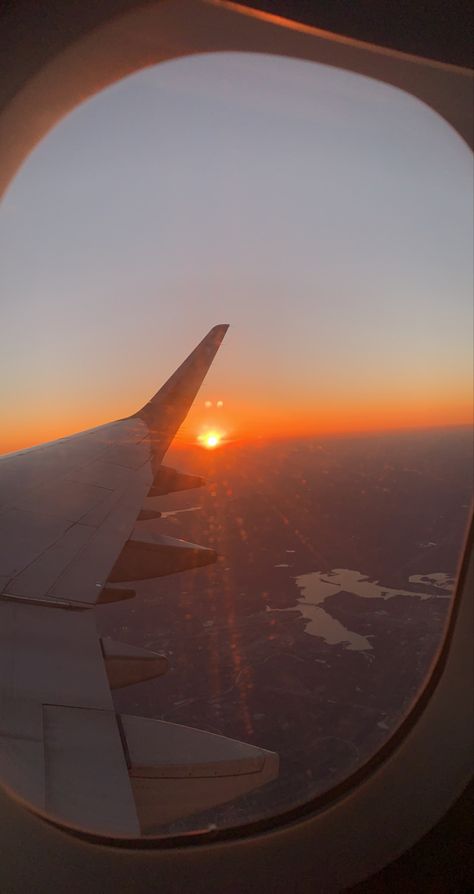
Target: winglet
{"x": 169, "y": 406}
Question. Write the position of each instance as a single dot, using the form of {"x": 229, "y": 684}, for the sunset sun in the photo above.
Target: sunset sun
{"x": 210, "y": 439}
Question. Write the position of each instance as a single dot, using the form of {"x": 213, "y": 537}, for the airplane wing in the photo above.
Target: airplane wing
{"x": 75, "y": 531}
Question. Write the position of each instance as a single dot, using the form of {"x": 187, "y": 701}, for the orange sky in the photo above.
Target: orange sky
{"x": 247, "y": 422}
{"x": 244, "y": 421}
{"x": 326, "y": 217}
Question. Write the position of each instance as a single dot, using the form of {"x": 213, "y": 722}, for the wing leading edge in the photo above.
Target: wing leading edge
{"x": 72, "y": 533}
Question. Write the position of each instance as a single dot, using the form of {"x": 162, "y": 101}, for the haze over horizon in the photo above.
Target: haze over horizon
{"x": 326, "y": 216}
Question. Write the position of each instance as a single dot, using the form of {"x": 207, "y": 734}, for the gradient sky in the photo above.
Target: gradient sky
{"x": 327, "y": 217}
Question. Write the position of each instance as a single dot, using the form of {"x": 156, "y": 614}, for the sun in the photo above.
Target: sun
{"x": 210, "y": 439}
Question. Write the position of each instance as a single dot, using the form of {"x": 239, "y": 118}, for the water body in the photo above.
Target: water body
{"x": 317, "y": 586}
{"x": 331, "y": 630}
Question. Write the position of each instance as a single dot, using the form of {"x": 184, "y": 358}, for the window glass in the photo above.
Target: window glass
{"x": 328, "y": 218}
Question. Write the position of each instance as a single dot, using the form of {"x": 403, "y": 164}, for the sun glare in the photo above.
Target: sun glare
{"x": 210, "y": 439}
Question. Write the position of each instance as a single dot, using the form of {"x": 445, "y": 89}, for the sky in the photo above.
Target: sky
{"x": 327, "y": 217}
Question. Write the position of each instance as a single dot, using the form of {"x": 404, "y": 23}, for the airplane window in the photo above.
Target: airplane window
{"x": 328, "y": 218}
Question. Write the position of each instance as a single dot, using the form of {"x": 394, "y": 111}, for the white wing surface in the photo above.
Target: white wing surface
{"x": 75, "y": 531}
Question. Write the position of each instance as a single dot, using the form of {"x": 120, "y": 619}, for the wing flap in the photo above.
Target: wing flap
{"x": 86, "y": 778}
{"x": 60, "y": 744}
{"x": 177, "y": 770}
{"x": 48, "y": 656}
{"x": 20, "y": 760}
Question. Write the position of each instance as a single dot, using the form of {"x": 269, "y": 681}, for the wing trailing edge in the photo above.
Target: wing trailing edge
{"x": 176, "y": 770}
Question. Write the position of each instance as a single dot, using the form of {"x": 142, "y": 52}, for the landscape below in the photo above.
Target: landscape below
{"x": 315, "y": 630}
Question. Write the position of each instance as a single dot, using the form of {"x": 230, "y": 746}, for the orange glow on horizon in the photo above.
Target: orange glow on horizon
{"x": 245, "y": 420}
